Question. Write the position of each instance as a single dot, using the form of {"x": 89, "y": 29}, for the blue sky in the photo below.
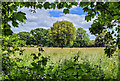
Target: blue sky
{"x": 45, "y": 19}
{"x": 77, "y": 10}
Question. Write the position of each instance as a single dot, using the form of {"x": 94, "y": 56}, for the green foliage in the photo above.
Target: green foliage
{"x": 82, "y": 38}
{"x": 107, "y": 12}
{"x": 13, "y": 40}
{"x": 91, "y": 43}
{"x": 107, "y": 17}
{"x": 73, "y": 69}
{"x": 9, "y": 13}
{"x": 12, "y": 71}
{"x": 62, "y": 33}
{"x": 41, "y": 36}
{"x": 24, "y": 36}
{"x": 32, "y": 40}
{"x": 100, "y": 40}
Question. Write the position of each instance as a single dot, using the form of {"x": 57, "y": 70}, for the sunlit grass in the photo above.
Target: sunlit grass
{"x": 95, "y": 56}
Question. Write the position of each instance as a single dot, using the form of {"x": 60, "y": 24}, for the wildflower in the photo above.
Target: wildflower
{"x": 99, "y": 74}
{"x": 46, "y": 57}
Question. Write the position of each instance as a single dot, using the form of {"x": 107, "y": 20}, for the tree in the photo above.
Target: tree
{"x": 82, "y": 38}
{"x": 32, "y": 40}
{"x": 24, "y": 36}
{"x": 41, "y": 36}
{"x": 100, "y": 40}
{"x": 107, "y": 17}
{"x": 62, "y": 33}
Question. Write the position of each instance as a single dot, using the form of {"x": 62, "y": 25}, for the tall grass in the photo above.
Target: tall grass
{"x": 95, "y": 56}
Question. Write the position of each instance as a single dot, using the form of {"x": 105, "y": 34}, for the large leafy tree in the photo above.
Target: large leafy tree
{"x": 41, "y": 36}
{"x": 24, "y": 36}
{"x": 82, "y": 38}
{"x": 62, "y": 33}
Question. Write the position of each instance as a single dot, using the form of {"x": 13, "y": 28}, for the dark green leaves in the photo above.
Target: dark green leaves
{"x": 53, "y": 5}
{"x": 74, "y": 3}
{"x": 88, "y": 18}
{"x": 15, "y": 23}
{"x": 20, "y": 16}
{"x": 83, "y": 4}
{"x": 66, "y": 11}
{"x": 39, "y": 6}
{"x": 46, "y": 5}
{"x": 96, "y": 28}
{"x": 39, "y": 54}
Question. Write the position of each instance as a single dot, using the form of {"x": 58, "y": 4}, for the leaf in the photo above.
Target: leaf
{"x": 15, "y": 24}
{"x": 69, "y": 6}
{"x": 35, "y": 57}
{"x": 87, "y": 18}
{"x": 66, "y": 11}
{"x": 33, "y": 64}
{"x": 39, "y": 54}
{"x": 46, "y": 5}
{"x": 39, "y": 6}
{"x": 53, "y": 5}
{"x": 20, "y": 16}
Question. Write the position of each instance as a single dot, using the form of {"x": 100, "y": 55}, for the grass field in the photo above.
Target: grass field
{"x": 95, "y": 56}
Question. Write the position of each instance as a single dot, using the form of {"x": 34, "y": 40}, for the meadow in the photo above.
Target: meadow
{"x": 95, "y": 57}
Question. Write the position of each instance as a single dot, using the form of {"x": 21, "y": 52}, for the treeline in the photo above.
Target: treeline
{"x": 62, "y": 34}
{"x": 40, "y": 36}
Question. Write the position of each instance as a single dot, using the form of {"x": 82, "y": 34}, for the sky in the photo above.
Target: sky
{"x": 45, "y": 19}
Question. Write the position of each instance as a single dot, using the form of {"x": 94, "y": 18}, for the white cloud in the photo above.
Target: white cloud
{"x": 42, "y": 19}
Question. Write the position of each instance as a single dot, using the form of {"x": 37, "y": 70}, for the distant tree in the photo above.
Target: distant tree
{"x": 41, "y": 36}
{"x": 62, "y": 33}
{"x": 82, "y": 38}
{"x": 24, "y": 36}
{"x": 32, "y": 40}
